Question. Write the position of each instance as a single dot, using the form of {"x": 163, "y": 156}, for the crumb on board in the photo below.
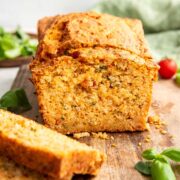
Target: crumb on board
{"x": 163, "y": 131}
{"x": 147, "y": 140}
{"x": 80, "y": 135}
{"x": 148, "y": 136}
{"x": 171, "y": 136}
{"x": 155, "y": 120}
{"x": 159, "y": 124}
{"x": 155, "y": 104}
{"x": 112, "y": 138}
{"x": 163, "y": 123}
{"x": 100, "y": 135}
{"x": 113, "y": 145}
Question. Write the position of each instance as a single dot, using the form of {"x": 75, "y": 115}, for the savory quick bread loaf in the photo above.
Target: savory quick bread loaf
{"x": 44, "y": 150}
{"x": 93, "y": 72}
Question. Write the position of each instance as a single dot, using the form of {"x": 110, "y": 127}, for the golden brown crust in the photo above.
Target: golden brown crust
{"x": 44, "y": 150}
{"x": 43, "y": 25}
{"x": 91, "y": 29}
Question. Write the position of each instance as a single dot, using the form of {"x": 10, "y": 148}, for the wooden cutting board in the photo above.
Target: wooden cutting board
{"x": 122, "y": 158}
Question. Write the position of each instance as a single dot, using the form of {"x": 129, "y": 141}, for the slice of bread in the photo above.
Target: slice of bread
{"x": 44, "y": 150}
{"x": 9, "y": 170}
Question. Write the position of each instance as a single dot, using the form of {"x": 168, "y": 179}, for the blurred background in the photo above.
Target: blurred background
{"x": 27, "y": 12}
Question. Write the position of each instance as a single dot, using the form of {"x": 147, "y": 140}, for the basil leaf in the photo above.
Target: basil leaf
{"x": 21, "y": 34}
{"x": 8, "y": 41}
{"x": 172, "y": 153}
{"x": 161, "y": 170}
{"x": 15, "y": 101}
{"x": 1, "y": 53}
{"x": 12, "y": 53}
{"x": 1, "y": 31}
{"x": 177, "y": 79}
{"x": 143, "y": 167}
{"x": 27, "y": 50}
{"x": 178, "y": 64}
{"x": 16, "y": 44}
{"x": 149, "y": 154}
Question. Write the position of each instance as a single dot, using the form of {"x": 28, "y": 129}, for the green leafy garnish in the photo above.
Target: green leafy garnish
{"x": 16, "y": 44}
{"x": 177, "y": 79}
{"x": 21, "y": 34}
{"x": 158, "y": 165}
{"x": 161, "y": 170}
{"x": 143, "y": 167}
{"x": 149, "y": 154}
{"x": 15, "y": 101}
{"x": 172, "y": 153}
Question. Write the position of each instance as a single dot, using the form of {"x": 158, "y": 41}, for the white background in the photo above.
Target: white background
{"x": 26, "y": 13}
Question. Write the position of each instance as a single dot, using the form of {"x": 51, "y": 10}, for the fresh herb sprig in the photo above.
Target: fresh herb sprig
{"x": 16, "y": 44}
{"x": 15, "y": 101}
{"x": 157, "y": 164}
{"x": 177, "y": 78}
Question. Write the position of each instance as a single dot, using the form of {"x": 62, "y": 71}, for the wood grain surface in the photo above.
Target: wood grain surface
{"x": 122, "y": 158}
{"x": 6, "y": 63}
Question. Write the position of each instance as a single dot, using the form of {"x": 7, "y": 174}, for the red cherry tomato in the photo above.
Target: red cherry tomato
{"x": 168, "y": 68}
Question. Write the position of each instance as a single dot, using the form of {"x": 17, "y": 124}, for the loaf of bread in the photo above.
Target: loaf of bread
{"x": 93, "y": 72}
{"x": 44, "y": 150}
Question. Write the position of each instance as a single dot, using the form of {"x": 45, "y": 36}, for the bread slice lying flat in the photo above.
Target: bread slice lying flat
{"x": 44, "y": 150}
{"x": 9, "y": 170}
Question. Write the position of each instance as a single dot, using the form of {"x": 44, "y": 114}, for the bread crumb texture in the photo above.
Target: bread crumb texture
{"x": 9, "y": 170}
{"x": 93, "y": 73}
{"x": 100, "y": 135}
{"x": 81, "y": 135}
{"x": 44, "y": 150}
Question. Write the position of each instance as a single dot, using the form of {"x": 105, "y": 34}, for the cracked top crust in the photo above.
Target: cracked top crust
{"x": 90, "y": 29}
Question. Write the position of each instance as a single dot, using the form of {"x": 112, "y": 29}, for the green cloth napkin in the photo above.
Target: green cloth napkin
{"x": 160, "y": 18}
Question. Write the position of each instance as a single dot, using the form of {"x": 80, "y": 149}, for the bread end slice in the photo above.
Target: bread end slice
{"x": 44, "y": 150}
